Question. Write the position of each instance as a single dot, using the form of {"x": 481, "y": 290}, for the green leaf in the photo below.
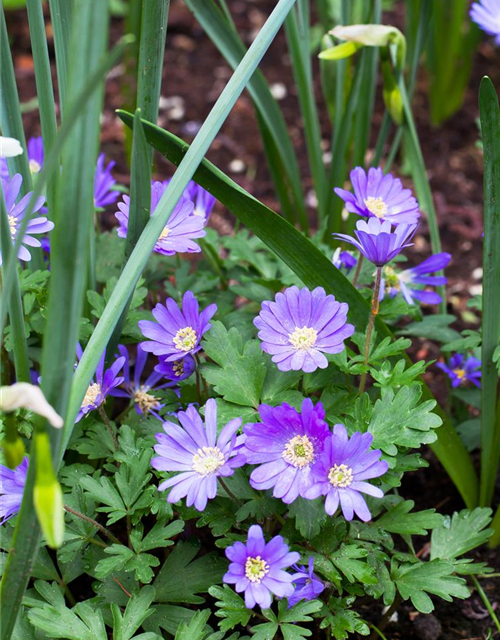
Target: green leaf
{"x": 196, "y": 628}
{"x": 168, "y": 617}
{"x": 342, "y": 620}
{"x": 125, "y": 559}
{"x": 400, "y": 520}
{"x": 416, "y": 581}
{"x": 137, "y": 610}
{"x": 231, "y": 607}
{"x": 461, "y": 533}
{"x": 159, "y": 536}
{"x": 241, "y": 370}
{"x": 104, "y": 492}
{"x": 433, "y": 327}
{"x": 265, "y": 631}
{"x": 309, "y": 516}
{"x": 398, "y": 420}
{"x": 347, "y": 560}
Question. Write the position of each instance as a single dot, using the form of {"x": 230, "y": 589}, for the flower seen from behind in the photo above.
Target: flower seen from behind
{"x": 486, "y": 14}
{"x": 461, "y": 370}
{"x": 202, "y": 199}
{"x": 285, "y": 445}
{"x": 194, "y": 449}
{"x": 394, "y": 282}
{"x": 380, "y": 196}
{"x": 300, "y": 326}
{"x": 16, "y": 213}
{"x": 12, "y": 483}
{"x": 377, "y": 241}
{"x": 176, "y": 332}
{"x": 104, "y": 194}
{"x": 341, "y": 471}
{"x": 344, "y": 260}
{"x": 258, "y": 568}
{"x": 307, "y": 584}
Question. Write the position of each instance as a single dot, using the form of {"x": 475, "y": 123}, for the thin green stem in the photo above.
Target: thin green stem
{"x": 486, "y": 603}
{"x": 371, "y": 323}
{"x": 385, "y": 618}
{"x": 229, "y": 492}
{"x": 93, "y": 522}
{"x": 358, "y": 270}
{"x": 109, "y": 426}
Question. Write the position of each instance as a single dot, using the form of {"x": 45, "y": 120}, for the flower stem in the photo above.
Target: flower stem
{"x": 94, "y": 523}
{"x": 229, "y": 492}
{"x": 371, "y": 323}
{"x": 109, "y": 426}
{"x": 358, "y": 270}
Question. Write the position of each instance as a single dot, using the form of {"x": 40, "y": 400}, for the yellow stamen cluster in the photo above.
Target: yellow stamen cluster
{"x": 376, "y": 206}
{"x": 92, "y": 392}
{"x": 303, "y": 339}
{"x": 208, "y": 460}
{"x": 256, "y": 569}
{"x": 12, "y": 225}
{"x": 145, "y": 401}
{"x": 185, "y": 339}
{"x": 340, "y": 475}
{"x": 34, "y": 166}
{"x": 299, "y": 451}
{"x": 164, "y": 234}
{"x": 460, "y": 373}
{"x": 391, "y": 278}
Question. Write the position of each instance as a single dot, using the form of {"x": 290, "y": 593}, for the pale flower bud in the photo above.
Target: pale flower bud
{"x": 10, "y": 147}
{"x": 23, "y": 395}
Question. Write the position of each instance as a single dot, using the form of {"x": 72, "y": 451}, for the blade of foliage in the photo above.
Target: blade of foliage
{"x": 400, "y": 520}
{"x": 185, "y": 172}
{"x": 314, "y": 269}
{"x": 232, "y": 48}
{"x": 490, "y": 425}
{"x": 138, "y": 609}
{"x": 195, "y": 629}
{"x": 464, "y": 531}
{"x": 60, "y": 15}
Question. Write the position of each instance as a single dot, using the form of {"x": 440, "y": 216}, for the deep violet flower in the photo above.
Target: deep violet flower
{"x": 142, "y": 393}
{"x": 462, "y": 370}
{"x": 203, "y": 200}
{"x": 300, "y": 326}
{"x": 394, "y": 282}
{"x": 381, "y": 196}
{"x": 181, "y": 228}
{"x": 176, "y": 333}
{"x": 16, "y": 213}
{"x": 101, "y": 385}
{"x": 307, "y": 584}
{"x": 104, "y": 194}
{"x": 257, "y": 568}
{"x": 35, "y": 158}
{"x": 486, "y": 14}
{"x": 176, "y": 370}
{"x": 344, "y": 260}
{"x": 285, "y": 445}
{"x": 194, "y": 449}
{"x": 340, "y": 473}
{"x": 12, "y": 483}
{"x": 377, "y": 241}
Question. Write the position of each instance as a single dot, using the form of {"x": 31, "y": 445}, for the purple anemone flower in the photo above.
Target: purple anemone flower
{"x": 300, "y": 326}
{"x": 176, "y": 333}
{"x": 344, "y": 260}
{"x": 182, "y": 226}
{"x": 16, "y": 212}
{"x": 462, "y": 369}
{"x": 35, "y": 158}
{"x": 140, "y": 392}
{"x": 376, "y": 240}
{"x": 486, "y": 14}
{"x": 257, "y": 568}
{"x": 393, "y": 282}
{"x": 380, "y": 196}
{"x": 194, "y": 449}
{"x": 104, "y": 194}
{"x": 176, "y": 370}
{"x": 203, "y": 200}
{"x": 341, "y": 471}
{"x": 101, "y": 385}
{"x": 307, "y": 584}
{"x": 12, "y": 483}
{"x": 285, "y": 445}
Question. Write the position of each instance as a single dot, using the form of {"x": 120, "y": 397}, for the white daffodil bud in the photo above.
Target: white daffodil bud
{"x": 10, "y": 147}
{"x": 23, "y": 395}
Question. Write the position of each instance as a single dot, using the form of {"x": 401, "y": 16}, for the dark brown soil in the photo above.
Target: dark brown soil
{"x": 194, "y": 75}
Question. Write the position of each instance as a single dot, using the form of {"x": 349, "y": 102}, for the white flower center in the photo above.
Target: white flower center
{"x": 145, "y": 401}
{"x": 199, "y": 212}
{"x": 185, "y": 339}
{"x": 13, "y": 226}
{"x": 164, "y": 234}
{"x": 208, "y": 460}
{"x": 376, "y": 206}
{"x": 303, "y": 339}
{"x": 92, "y": 392}
{"x": 178, "y": 368}
{"x": 34, "y": 166}
{"x": 256, "y": 569}
{"x": 299, "y": 451}
{"x": 340, "y": 475}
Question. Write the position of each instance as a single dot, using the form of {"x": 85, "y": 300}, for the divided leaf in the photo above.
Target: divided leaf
{"x": 400, "y": 520}
{"x": 464, "y": 531}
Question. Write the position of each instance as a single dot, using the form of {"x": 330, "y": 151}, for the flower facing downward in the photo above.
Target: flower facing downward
{"x": 194, "y": 449}
{"x": 393, "y": 282}
{"x": 104, "y": 182}
{"x": 257, "y": 568}
{"x": 176, "y": 370}
{"x": 461, "y": 370}
{"x": 182, "y": 226}
{"x": 376, "y": 240}
{"x": 307, "y": 584}
{"x": 486, "y": 14}
{"x": 300, "y": 326}
{"x": 176, "y": 333}
{"x": 12, "y": 483}
{"x": 285, "y": 444}
{"x": 23, "y": 395}
{"x": 203, "y": 200}
{"x": 16, "y": 213}
{"x": 381, "y": 196}
{"x": 101, "y": 385}
{"x": 341, "y": 471}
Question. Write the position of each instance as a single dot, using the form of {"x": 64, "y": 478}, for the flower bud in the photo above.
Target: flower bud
{"x": 23, "y": 395}
{"x": 47, "y": 494}
{"x": 391, "y": 92}
{"x": 14, "y": 452}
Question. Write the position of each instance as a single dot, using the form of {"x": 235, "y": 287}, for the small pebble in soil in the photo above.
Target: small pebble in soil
{"x": 427, "y": 627}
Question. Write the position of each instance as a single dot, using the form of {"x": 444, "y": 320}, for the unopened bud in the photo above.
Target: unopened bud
{"x": 14, "y": 452}
{"x": 391, "y": 93}
{"x": 47, "y": 494}
{"x": 23, "y": 395}
{"x": 373, "y": 35}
